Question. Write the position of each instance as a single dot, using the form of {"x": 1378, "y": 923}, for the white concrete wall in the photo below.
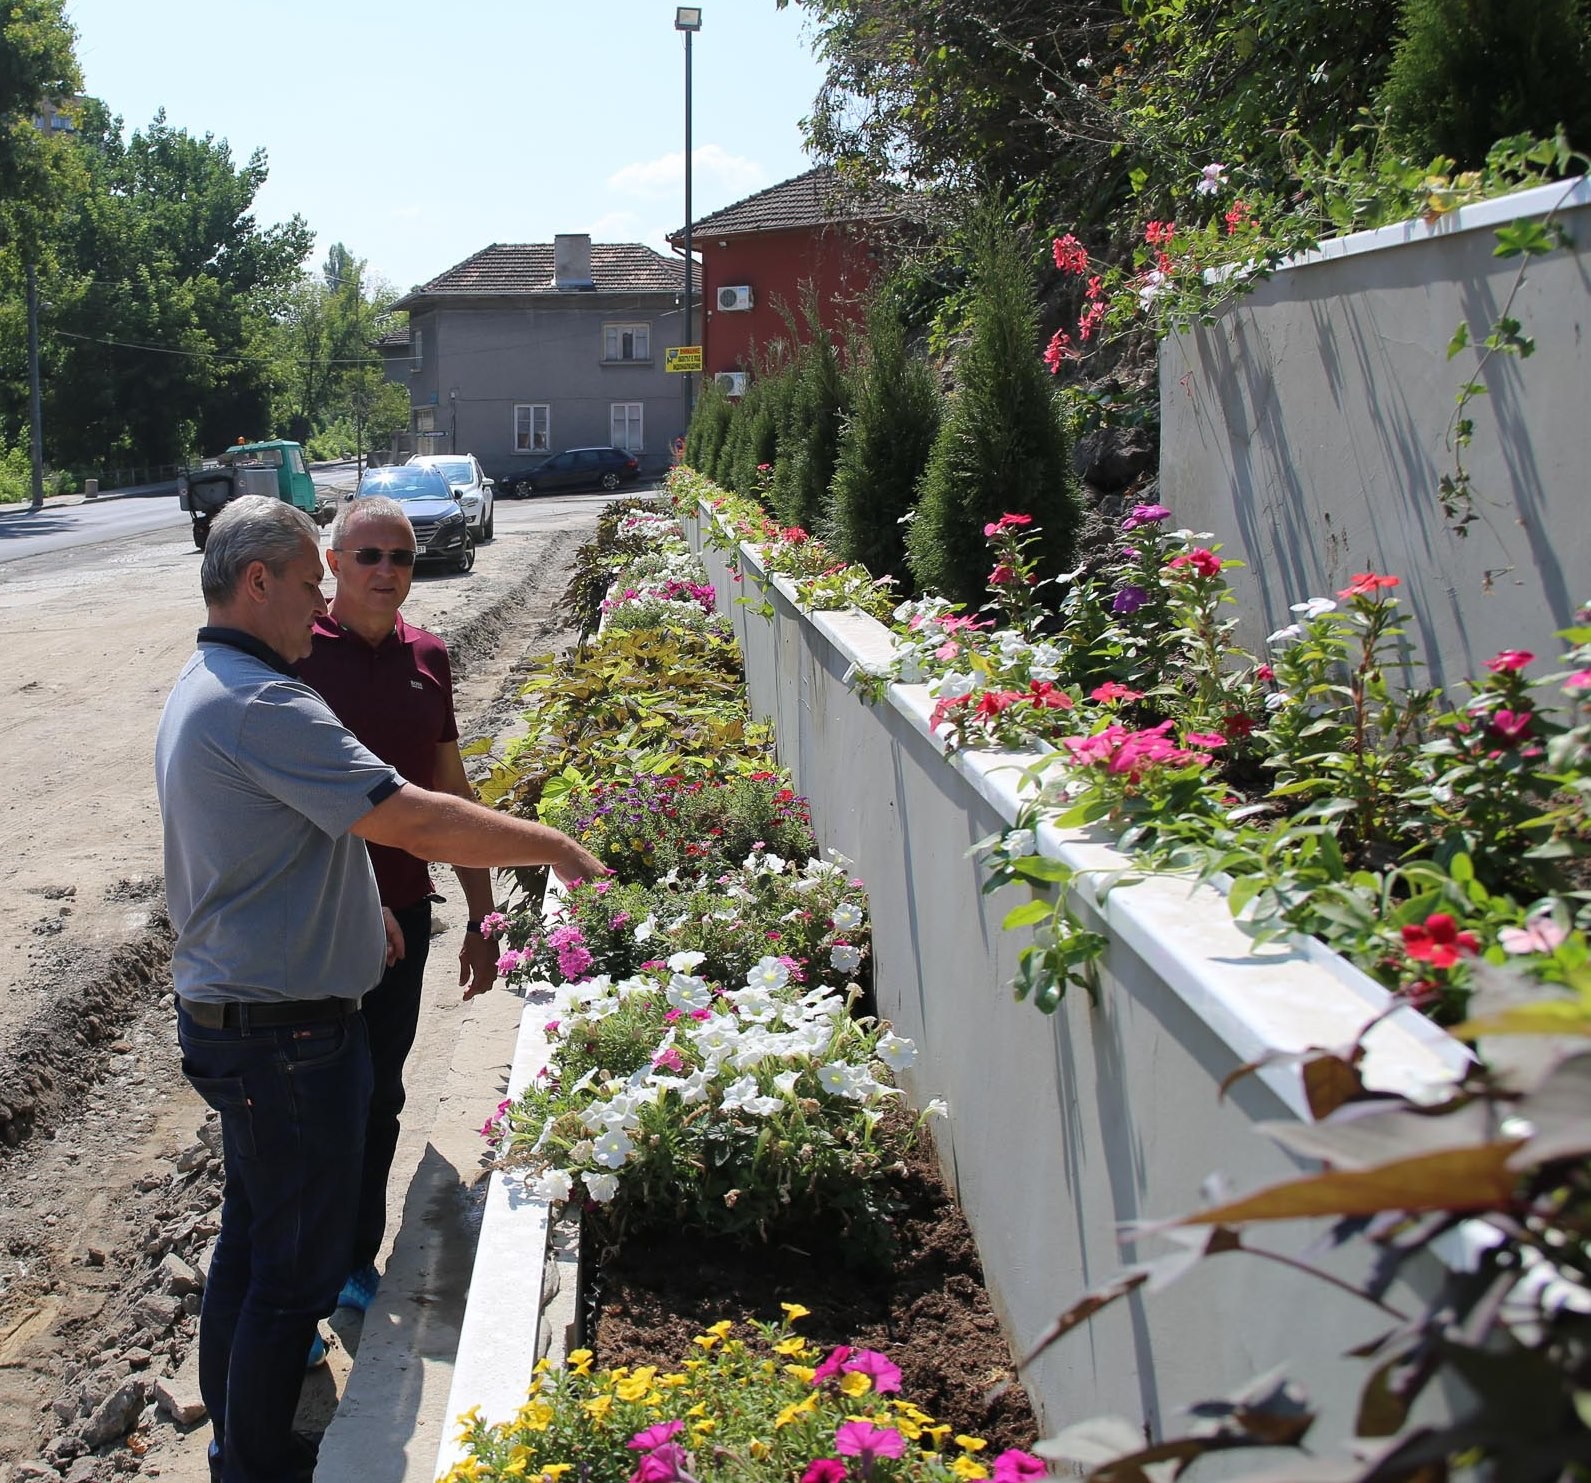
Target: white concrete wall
{"x": 1062, "y": 1128}
{"x": 1306, "y": 427}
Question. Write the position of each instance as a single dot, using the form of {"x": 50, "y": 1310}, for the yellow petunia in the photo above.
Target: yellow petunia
{"x": 937, "y": 1433}
{"x": 541, "y": 1366}
{"x": 790, "y": 1346}
{"x": 635, "y": 1387}
{"x": 759, "y": 1449}
{"x": 796, "y": 1410}
{"x": 803, "y": 1373}
{"x": 580, "y": 1361}
{"x": 518, "y": 1462}
{"x": 968, "y": 1470}
{"x": 534, "y": 1416}
{"x": 721, "y": 1328}
{"x": 699, "y": 1409}
{"x": 970, "y": 1444}
{"x": 701, "y": 1428}
{"x": 674, "y": 1381}
{"x": 854, "y": 1383}
{"x": 598, "y": 1407}
{"x": 793, "y": 1311}
{"x": 553, "y": 1471}
{"x": 705, "y": 1340}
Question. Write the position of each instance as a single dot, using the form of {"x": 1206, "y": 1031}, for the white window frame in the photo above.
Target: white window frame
{"x": 613, "y": 343}
{"x": 529, "y": 444}
{"x": 416, "y": 349}
{"x": 424, "y": 420}
{"x": 634, "y": 414}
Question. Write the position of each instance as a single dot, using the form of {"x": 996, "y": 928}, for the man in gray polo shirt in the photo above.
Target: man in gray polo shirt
{"x": 265, "y": 800}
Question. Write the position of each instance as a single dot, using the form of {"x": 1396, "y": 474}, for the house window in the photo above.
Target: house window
{"x": 530, "y": 428}
{"x": 627, "y": 426}
{"x": 425, "y": 419}
{"x": 417, "y": 349}
{"x": 627, "y": 342}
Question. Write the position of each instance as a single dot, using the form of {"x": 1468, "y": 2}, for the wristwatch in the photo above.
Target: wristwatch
{"x": 473, "y": 925}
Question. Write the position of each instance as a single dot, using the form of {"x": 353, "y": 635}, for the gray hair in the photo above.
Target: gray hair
{"x": 253, "y": 528}
{"x": 370, "y": 507}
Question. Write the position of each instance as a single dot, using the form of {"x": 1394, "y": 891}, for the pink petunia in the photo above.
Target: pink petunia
{"x": 832, "y": 1365}
{"x": 667, "y": 1464}
{"x": 1509, "y": 661}
{"x": 1017, "y": 1466}
{"x": 655, "y": 1436}
{"x": 877, "y": 1367}
{"x": 864, "y": 1440}
{"x": 1579, "y": 680}
{"x": 824, "y": 1470}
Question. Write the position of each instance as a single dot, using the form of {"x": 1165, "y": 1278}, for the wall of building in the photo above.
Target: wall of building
{"x": 776, "y": 266}
{"x": 1308, "y": 429}
{"x": 480, "y": 361}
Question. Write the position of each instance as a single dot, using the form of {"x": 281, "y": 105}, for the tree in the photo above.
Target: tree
{"x": 1466, "y": 73}
{"x": 884, "y": 448}
{"x": 808, "y": 440}
{"x": 37, "y": 65}
{"x": 1002, "y": 448}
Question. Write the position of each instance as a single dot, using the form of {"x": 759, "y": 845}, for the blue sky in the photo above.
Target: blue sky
{"x": 417, "y": 133}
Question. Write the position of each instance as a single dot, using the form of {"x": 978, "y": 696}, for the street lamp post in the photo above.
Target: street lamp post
{"x": 688, "y": 18}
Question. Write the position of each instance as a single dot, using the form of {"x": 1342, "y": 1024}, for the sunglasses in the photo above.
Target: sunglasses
{"x": 371, "y": 555}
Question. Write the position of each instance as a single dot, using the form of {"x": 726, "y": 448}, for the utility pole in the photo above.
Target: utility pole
{"x": 35, "y": 402}
{"x": 688, "y": 18}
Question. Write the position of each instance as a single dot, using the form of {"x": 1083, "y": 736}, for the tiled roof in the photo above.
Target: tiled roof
{"x": 526, "y": 268}
{"x": 820, "y": 197}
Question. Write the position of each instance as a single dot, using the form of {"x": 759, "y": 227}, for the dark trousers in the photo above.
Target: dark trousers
{"x": 292, "y": 1100}
{"x": 392, "y": 1015}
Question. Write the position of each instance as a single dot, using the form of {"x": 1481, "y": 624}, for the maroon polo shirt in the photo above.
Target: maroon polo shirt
{"x": 397, "y": 698}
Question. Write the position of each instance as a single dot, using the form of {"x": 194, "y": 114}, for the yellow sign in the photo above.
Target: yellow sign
{"x": 682, "y": 358}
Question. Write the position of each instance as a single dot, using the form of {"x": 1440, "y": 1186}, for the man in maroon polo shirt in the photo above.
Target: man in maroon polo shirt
{"x": 390, "y": 684}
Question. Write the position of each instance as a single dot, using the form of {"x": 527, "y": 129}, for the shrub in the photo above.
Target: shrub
{"x": 809, "y": 435}
{"x": 1002, "y": 447}
{"x": 709, "y": 426}
{"x": 884, "y": 448}
{"x": 760, "y": 410}
{"x": 1466, "y": 73}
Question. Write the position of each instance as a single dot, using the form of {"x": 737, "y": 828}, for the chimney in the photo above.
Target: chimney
{"x": 571, "y": 263}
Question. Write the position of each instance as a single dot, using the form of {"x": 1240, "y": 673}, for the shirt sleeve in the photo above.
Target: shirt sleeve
{"x": 293, "y": 747}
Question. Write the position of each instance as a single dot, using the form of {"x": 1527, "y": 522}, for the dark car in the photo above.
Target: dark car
{"x": 576, "y": 468}
{"x": 440, "y": 530}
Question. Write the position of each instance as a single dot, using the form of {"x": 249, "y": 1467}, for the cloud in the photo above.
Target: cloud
{"x": 714, "y": 171}
{"x": 614, "y": 226}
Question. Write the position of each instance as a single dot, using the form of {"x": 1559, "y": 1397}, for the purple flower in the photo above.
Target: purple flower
{"x": 1128, "y": 600}
{"x": 1145, "y": 515}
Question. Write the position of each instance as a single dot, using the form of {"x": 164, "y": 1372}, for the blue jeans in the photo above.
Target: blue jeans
{"x": 391, "y": 1014}
{"x": 293, "y": 1101}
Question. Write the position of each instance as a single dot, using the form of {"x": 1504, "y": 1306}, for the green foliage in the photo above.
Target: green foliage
{"x": 1002, "y": 447}
{"x": 16, "y": 476}
{"x": 758, "y": 418}
{"x": 884, "y": 448}
{"x": 1465, "y": 73}
{"x": 709, "y": 426}
{"x": 37, "y": 65}
{"x": 808, "y": 441}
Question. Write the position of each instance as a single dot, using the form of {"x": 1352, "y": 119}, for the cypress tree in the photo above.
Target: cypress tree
{"x": 883, "y": 449}
{"x": 809, "y": 434}
{"x": 1002, "y": 447}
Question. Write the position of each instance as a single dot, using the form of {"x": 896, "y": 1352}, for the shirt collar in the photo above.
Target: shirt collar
{"x": 236, "y": 638}
{"x": 328, "y": 627}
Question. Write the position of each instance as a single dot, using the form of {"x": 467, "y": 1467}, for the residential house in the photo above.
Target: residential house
{"x": 760, "y": 256}
{"x": 527, "y": 348}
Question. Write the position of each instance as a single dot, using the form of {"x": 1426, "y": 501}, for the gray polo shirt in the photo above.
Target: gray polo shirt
{"x": 259, "y": 783}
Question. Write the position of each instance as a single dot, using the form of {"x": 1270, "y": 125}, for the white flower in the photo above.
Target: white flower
{"x": 1154, "y": 282}
{"x": 1313, "y": 607}
{"x": 847, "y": 917}
{"x": 686, "y": 993}
{"x": 768, "y": 974}
{"x": 762, "y": 1106}
{"x": 683, "y": 962}
{"x": 694, "y": 1087}
{"x": 938, "y": 1107}
{"x": 644, "y": 930}
{"x": 738, "y": 1093}
{"x": 954, "y": 685}
{"x": 841, "y": 1079}
{"x": 613, "y": 1148}
{"x": 896, "y": 1051}
{"x": 1211, "y": 179}
{"x": 844, "y": 958}
{"x": 786, "y": 1081}
{"x": 1289, "y": 635}
{"x": 601, "y": 1187}
{"x": 1277, "y": 699}
{"x": 553, "y": 1186}
{"x": 1019, "y": 843}
{"x": 581, "y": 1151}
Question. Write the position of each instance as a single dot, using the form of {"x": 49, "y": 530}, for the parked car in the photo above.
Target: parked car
{"x": 471, "y": 487}
{"x": 441, "y": 532}
{"x": 577, "y": 468}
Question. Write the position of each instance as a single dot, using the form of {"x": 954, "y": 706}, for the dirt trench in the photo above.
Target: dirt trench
{"x": 109, "y": 1165}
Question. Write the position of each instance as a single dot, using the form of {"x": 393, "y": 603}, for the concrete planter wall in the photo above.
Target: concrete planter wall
{"x": 1063, "y": 1128}
{"x": 1306, "y": 428}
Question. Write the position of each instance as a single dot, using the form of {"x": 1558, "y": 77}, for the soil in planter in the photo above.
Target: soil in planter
{"x": 928, "y": 1311}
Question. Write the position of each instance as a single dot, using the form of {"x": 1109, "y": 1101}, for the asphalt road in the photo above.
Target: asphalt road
{"x": 75, "y": 521}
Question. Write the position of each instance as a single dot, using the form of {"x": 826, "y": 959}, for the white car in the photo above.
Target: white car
{"x": 470, "y": 486}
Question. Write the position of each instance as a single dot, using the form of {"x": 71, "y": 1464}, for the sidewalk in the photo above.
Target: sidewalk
{"x": 391, "y": 1414}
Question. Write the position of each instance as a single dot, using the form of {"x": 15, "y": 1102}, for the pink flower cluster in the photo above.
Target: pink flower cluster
{"x": 1131, "y": 754}
{"x": 574, "y": 957}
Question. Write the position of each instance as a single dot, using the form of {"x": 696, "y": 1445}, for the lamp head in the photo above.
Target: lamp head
{"x": 687, "y": 18}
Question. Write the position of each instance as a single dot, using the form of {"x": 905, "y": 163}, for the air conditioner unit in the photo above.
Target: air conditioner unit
{"x": 731, "y": 383}
{"x": 737, "y": 296}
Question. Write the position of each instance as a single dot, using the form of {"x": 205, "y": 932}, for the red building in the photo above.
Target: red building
{"x": 759, "y": 256}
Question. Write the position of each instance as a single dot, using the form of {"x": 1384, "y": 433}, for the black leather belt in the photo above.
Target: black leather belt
{"x": 237, "y": 1016}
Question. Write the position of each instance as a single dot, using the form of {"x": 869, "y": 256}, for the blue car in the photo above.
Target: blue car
{"x": 441, "y": 532}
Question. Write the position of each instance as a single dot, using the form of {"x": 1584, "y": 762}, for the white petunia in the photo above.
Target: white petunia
{"x": 553, "y": 1186}
{"x": 601, "y": 1187}
{"x": 694, "y": 1087}
{"x": 844, "y": 958}
{"x": 768, "y": 974}
{"x": 840, "y": 1078}
{"x": 687, "y": 993}
{"x": 613, "y": 1148}
{"x": 786, "y": 1081}
{"x": 938, "y": 1107}
{"x": 762, "y": 1106}
{"x": 645, "y": 929}
{"x": 847, "y": 917}
{"x": 737, "y": 1092}
{"x": 683, "y": 962}
{"x": 896, "y": 1051}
